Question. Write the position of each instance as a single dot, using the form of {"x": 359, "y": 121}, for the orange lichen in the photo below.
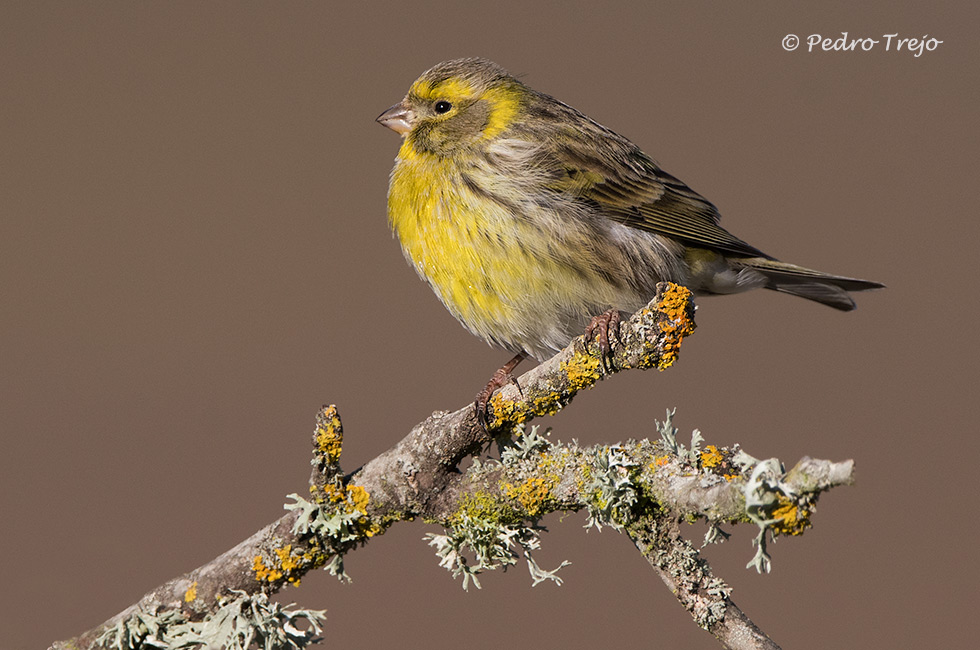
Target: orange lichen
{"x": 793, "y": 518}
{"x": 287, "y": 564}
{"x": 264, "y": 573}
{"x": 711, "y": 457}
{"x": 675, "y": 320}
{"x": 286, "y": 560}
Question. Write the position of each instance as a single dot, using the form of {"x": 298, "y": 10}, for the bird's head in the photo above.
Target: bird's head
{"x": 455, "y": 105}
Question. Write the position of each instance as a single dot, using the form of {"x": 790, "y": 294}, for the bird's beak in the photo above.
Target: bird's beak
{"x": 398, "y": 118}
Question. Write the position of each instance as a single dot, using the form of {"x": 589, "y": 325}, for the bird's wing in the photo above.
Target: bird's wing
{"x": 631, "y": 189}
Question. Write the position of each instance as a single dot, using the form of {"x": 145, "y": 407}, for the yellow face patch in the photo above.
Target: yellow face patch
{"x": 504, "y": 101}
{"x": 450, "y": 89}
{"x": 504, "y": 106}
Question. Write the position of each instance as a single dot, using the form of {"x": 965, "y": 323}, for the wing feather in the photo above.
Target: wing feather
{"x": 628, "y": 187}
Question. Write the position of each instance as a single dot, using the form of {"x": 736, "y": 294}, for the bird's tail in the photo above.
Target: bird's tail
{"x": 824, "y": 288}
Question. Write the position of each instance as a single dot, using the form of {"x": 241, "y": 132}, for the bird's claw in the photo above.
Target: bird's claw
{"x": 605, "y": 324}
{"x": 500, "y": 378}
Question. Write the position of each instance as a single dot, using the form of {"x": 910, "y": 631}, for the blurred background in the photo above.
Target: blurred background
{"x": 194, "y": 257}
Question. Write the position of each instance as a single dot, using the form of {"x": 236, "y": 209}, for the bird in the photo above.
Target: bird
{"x": 530, "y": 220}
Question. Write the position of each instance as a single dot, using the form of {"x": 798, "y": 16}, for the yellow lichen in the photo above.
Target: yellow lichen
{"x": 329, "y": 434}
{"x": 507, "y": 411}
{"x": 554, "y": 461}
{"x": 354, "y": 497}
{"x": 358, "y": 497}
{"x": 584, "y": 476}
{"x": 510, "y": 412}
{"x": 485, "y": 507}
{"x": 286, "y": 563}
{"x": 660, "y": 461}
{"x": 315, "y": 557}
{"x": 191, "y": 594}
{"x": 582, "y": 370}
{"x": 264, "y": 573}
{"x": 793, "y": 518}
{"x": 332, "y": 493}
{"x": 711, "y": 457}
{"x": 546, "y": 404}
{"x": 531, "y": 494}
{"x": 349, "y": 499}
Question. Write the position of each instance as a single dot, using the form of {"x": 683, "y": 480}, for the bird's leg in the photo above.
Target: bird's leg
{"x": 500, "y": 379}
{"x": 605, "y": 324}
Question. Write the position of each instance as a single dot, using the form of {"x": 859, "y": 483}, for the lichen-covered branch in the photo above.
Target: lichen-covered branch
{"x": 411, "y": 476}
{"x": 490, "y": 512}
{"x": 688, "y": 576}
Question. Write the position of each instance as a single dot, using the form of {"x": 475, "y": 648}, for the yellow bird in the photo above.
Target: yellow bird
{"x": 528, "y": 219}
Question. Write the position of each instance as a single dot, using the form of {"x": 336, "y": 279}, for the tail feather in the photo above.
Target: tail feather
{"x": 807, "y": 283}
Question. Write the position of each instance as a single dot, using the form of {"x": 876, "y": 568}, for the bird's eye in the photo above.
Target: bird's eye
{"x": 442, "y": 107}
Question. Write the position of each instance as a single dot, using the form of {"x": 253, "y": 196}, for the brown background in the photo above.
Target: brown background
{"x": 194, "y": 257}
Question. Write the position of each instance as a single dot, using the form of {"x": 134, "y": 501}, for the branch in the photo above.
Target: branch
{"x": 490, "y": 511}
{"x": 690, "y": 579}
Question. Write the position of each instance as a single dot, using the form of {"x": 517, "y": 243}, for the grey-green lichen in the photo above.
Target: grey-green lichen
{"x": 144, "y": 629}
{"x": 774, "y": 505}
{"x": 611, "y": 490}
{"x": 490, "y": 514}
{"x": 333, "y": 522}
{"x": 494, "y": 520}
{"x": 489, "y": 530}
{"x": 668, "y": 434}
{"x": 492, "y": 545}
{"x": 689, "y": 571}
{"x": 241, "y": 621}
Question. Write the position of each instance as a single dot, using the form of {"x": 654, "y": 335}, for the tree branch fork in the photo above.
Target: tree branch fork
{"x": 490, "y": 511}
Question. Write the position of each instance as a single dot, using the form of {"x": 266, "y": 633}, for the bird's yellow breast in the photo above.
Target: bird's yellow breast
{"x": 458, "y": 242}
{"x": 515, "y": 264}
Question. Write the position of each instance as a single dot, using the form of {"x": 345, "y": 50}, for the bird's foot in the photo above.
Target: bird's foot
{"x": 606, "y": 325}
{"x": 500, "y": 379}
